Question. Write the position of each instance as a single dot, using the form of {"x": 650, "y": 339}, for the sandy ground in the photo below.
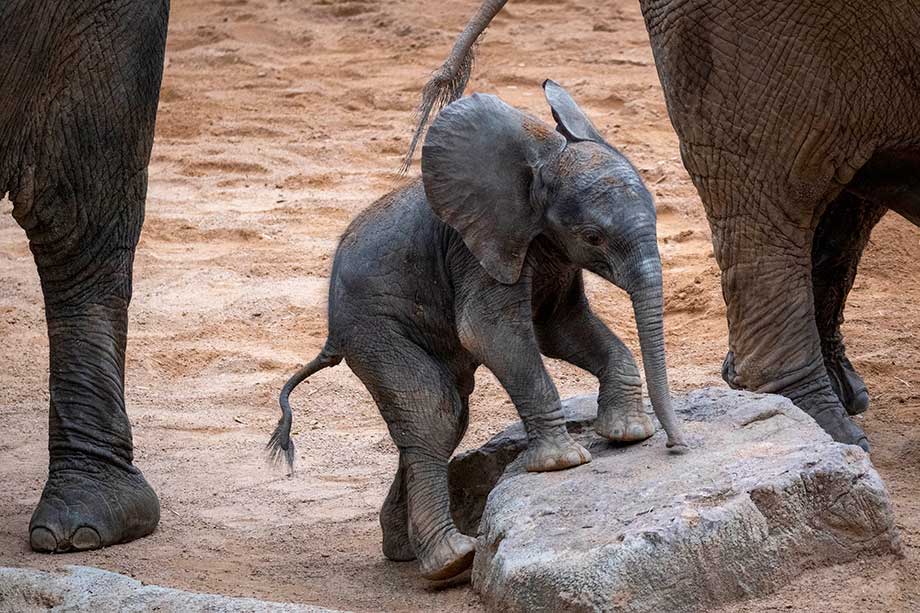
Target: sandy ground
{"x": 280, "y": 120}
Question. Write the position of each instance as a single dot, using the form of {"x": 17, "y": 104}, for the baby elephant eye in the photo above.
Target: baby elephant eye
{"x": 592, "y": 237}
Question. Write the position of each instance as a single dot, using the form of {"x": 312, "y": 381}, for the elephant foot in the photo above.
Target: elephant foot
{"x": 848, "y": 385}
{"x": 624, "y": 425}
{"x": 826, "y": 409}
{"x": 728, "y": 371}
{"x": 88, "y": 509}
{"x": 554, "y": 453}
{"x": 824, "y": 405}
{"x": 449, "y": 557}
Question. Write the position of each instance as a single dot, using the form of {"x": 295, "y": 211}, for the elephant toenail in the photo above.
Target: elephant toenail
{"x": 42, "y": 540}
{"x": 864, "y": 443}
{"x": 86, "y": 538}
{"x": 859, "y": 403}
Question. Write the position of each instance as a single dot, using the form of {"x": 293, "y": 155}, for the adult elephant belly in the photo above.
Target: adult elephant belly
{"x": 892, "y": 179}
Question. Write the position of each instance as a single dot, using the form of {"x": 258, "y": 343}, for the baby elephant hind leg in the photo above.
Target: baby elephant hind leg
{"x": 394, "y": 520}
{"x": 426, "y": 418}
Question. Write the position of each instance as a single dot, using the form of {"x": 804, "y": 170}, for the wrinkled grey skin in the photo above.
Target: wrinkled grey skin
{"x": 799, "y": 123}
{"x": 795, "y": 163}
{"x": 481, "y": 262}
{"x": 79, "y": 85}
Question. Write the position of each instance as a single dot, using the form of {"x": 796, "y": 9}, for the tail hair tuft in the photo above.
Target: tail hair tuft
{"x": 281, "y": 445}
{"x": 445, "y": 87}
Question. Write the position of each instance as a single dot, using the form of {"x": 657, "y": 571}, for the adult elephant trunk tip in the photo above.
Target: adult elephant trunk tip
{"x": 648, "y": 305}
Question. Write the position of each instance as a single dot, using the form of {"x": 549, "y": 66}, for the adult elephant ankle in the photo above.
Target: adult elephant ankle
{"x": 76, "y": 129}
{"x": 799, "y": 125}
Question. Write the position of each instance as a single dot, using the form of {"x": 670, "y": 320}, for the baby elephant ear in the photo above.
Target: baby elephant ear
{"x": 479, "y": 162}
{"x": 570, "y": 120}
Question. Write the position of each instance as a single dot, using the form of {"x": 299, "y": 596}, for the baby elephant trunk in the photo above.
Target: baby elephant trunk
{"x": 648, "y": 305}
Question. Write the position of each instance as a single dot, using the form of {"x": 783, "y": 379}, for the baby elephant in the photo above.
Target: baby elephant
{"x": 481, "y": 262}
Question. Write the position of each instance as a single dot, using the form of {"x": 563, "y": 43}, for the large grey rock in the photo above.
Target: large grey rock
{"x": 82, "y": 588}
{"x": 763, "y": 495}
{"x": 473, "y": 474}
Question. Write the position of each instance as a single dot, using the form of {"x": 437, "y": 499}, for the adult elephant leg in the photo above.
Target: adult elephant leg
{"x": 840, "y": 239}
{"x": 426, "y": 417}
{"x": 572, "y": 332}
{"x": 79, "y": 189}
{"x": 94, "y": 495}
{"x": 763, "y": 245}
{"x": 82, "y": 183}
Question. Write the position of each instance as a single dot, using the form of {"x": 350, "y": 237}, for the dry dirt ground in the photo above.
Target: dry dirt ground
{"x": 280, "y": 120}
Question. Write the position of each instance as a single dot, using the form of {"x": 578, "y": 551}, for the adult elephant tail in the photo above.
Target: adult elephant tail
{"x": 448, "y": 82}
{"x": 280, "y": 445}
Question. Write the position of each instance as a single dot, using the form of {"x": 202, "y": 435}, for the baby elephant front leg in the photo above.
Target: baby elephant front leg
{"x": 509, "y": 348}
{"x": 621, "y": 416}
{"x": 549, "y": 444}
{"x": 574, "y": 334}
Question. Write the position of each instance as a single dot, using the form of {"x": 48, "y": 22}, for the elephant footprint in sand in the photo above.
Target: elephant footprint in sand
{"x": 480, "y": 263}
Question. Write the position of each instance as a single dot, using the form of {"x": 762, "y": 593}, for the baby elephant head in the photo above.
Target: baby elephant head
{"x": 500, "y": 178}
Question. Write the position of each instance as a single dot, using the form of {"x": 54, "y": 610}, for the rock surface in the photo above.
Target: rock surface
{"x": 763, "y": 495}
{"x": 82, "y": 588}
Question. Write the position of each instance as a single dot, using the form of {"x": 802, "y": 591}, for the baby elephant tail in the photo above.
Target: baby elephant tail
{"x": 280, "y": 444}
